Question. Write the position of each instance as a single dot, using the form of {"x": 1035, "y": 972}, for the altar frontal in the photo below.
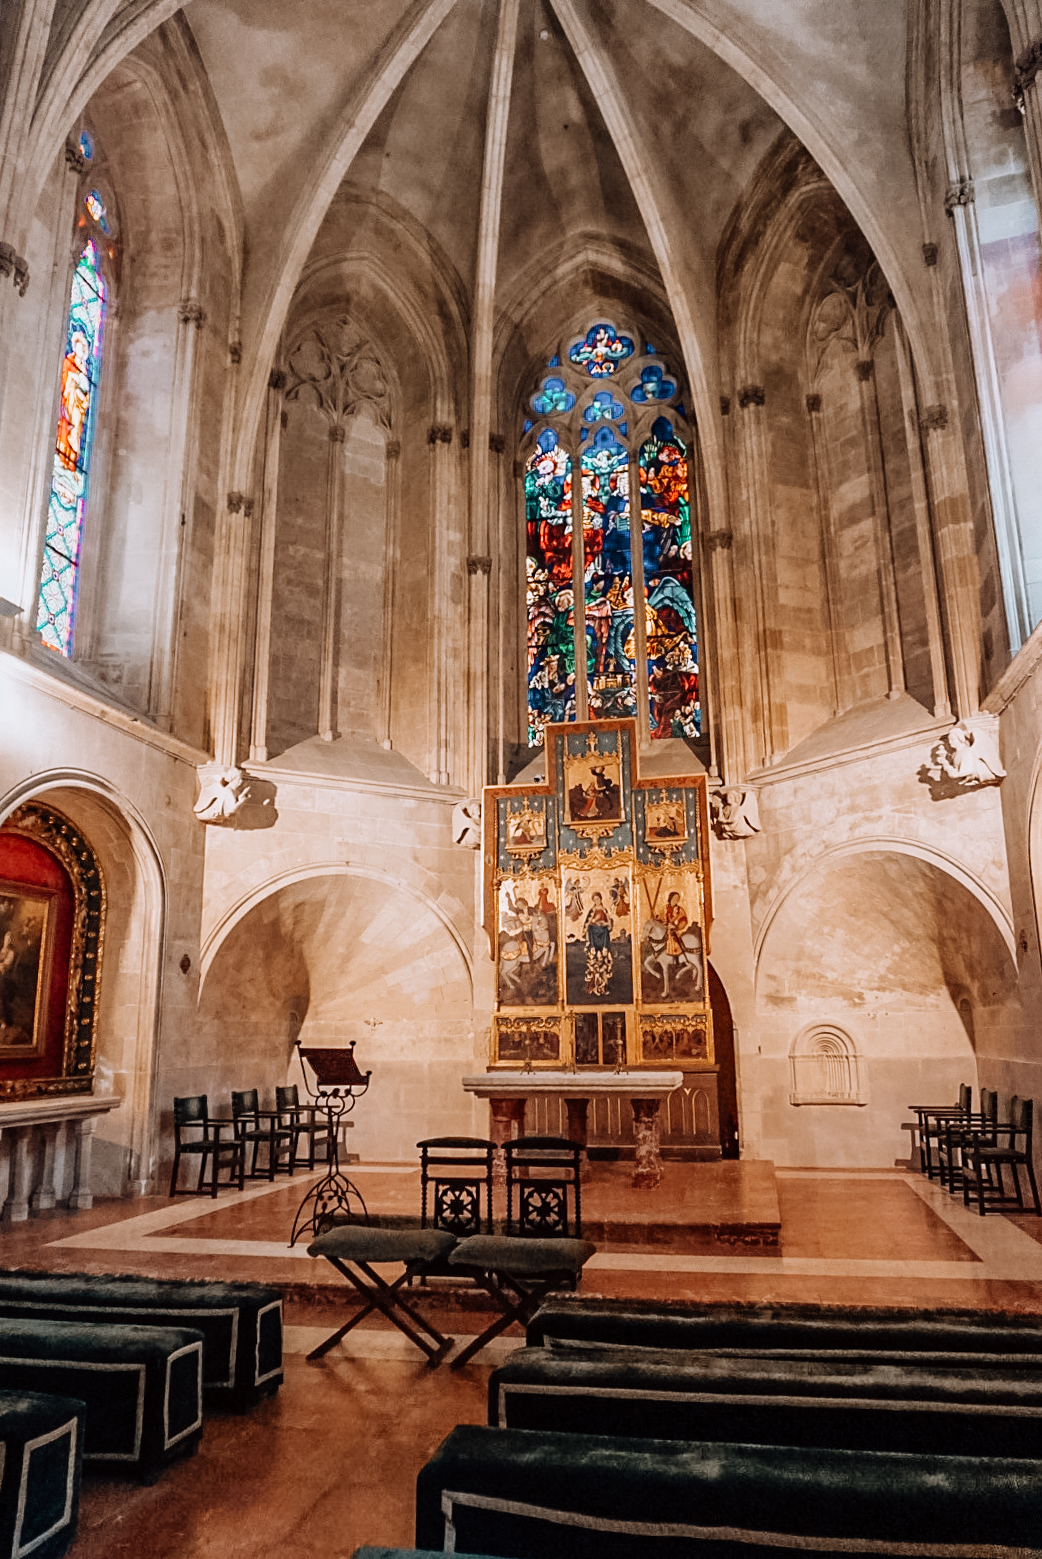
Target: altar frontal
{"x": 596, "y": 908}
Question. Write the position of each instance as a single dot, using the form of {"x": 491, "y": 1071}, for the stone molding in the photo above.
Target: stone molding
{"x": 337, "y": 367}
{"x": 854, "y": 313}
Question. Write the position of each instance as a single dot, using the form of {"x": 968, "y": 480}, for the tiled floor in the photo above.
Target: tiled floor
{"x": 331, "y": 1461}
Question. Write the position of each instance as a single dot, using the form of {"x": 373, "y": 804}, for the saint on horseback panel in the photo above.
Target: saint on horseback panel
{"x": 672, "y": 955}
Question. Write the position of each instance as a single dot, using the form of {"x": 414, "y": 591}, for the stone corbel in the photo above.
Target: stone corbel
{"x": 223, "y": 791}
{"x": 967, "y": 758}
{"x": 960, "y": 194}
{"x": 1026, "y": 73}
{"x": 736, "y": 813}
{"x": 466, "y": 824}
{"x": 15, "y": 266}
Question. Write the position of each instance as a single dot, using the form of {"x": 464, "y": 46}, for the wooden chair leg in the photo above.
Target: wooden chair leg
{"x": 173, "y": 1177}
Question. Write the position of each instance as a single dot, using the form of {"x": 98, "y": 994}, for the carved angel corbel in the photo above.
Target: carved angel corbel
{"x": 968, "y": 754}
{"x": 466, "y": 824}
{"x": 223, "y": 791}
{"x": 736, "y": 814}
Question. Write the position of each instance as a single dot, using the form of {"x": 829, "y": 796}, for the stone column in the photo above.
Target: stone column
{"x": 392, "y": 551}
{"x": 895, "y": 670}
{"x": 331, "y": 590}
{"x": 266, "y": 567}
{"x": 840, "y": 695}
{"x": 43, "y": 1198}
{"x": 506, "y": 1125}
{"x": 647, "y": 1169}
{"x": 442, "y": 615}
{"x": 82, "y": 1198}
{"x": 21, "y": 1175}
{"x": 753, "y": 466}
{"x": 956, "y": 558}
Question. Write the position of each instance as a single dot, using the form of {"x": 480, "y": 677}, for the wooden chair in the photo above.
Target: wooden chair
{"x": 987, "y": 1158}
{"x": 255, "y": 1128}
{"x": 930, "y": 1123}
{"x": 542, "y": 1248}
{"x": 309, "y": 1121}
{"x": 958, "y": 1135}
{"x": 191, "y": 1115}
{"x": 455, "y": 1178}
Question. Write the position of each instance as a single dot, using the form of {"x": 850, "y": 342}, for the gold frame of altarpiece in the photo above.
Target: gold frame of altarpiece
{"x": 637, "y": 861}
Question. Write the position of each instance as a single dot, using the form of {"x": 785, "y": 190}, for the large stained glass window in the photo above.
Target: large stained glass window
{"x": 551, "y": 598}
{"x": 626, "y": 451}
{"x": 665, "y": 508}
{"x": 77, "y": 409}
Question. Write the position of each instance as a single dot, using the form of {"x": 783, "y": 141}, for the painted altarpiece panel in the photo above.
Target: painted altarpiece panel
{"x": 596, "y": 909}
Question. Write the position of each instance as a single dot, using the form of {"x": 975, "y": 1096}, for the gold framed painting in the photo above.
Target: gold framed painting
{"x": 26, "y": 947}
{"x": 683, "y": 1039}
{"x": 528, "y": 1042}
{"x": 665, "y": 824}
{"x": 593, "y": 790}
{"x": 527, "y": 941}
{"x": 671, "y": 953}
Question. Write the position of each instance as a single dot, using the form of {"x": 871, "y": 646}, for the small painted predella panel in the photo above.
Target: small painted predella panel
{"x": 532, "y": 1041}
{"x": 26, "y": 935}
{"x": 665, "y": 822}
{"x": 592, "y": 789}
{"x": 598, "y": 936}
{"x": 527, "y": 941}
{"x": 675, "y": 1038}
{"x": 526, "y": 830}
{"x": 672, "y": 951}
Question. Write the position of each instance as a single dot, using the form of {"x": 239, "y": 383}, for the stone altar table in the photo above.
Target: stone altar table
{"x": 34, "y": 1149}
{"x": 507, "y": 1093}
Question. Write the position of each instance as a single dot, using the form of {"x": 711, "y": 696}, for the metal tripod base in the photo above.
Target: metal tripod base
{"x": 327, "y": 1204}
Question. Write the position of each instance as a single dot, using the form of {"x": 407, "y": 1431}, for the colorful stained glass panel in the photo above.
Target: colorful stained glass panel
{"x": 601, "y": 351}
{"x": 551, "y": 598}
{"x": 553, "y": 398}
{"x": 608, "y": 579}
{"x": 672, "y": 635}
{"x": 603, "y": 408}
{"x": 81, "y": 367}
{"x": 653, "y": 386}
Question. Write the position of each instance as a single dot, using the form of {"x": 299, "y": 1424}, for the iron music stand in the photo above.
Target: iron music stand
{"x": 338, "y": 1083}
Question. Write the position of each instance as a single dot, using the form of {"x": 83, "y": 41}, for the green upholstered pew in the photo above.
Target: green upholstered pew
{"x": 796, "y": 1330}
{"x": 41, "y": 1448}
{"x": 854, "y": 1404}
{"x": 412, "y": 1553}
{"x": 241, "y": 1323}
{"x": 142, "y": 1385}
{"x": 522, "y": 1494}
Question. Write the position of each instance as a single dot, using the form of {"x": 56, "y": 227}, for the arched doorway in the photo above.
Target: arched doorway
{"x": 726, "y": 1081}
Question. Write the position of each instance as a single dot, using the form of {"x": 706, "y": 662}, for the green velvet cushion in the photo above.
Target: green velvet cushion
{"x": 591, "y": 1497}
{"x": 497, "y": 1253}
{"x": 41, "y": 1445}
{"x": 241, "y": 1323}
{"x": 358, "y": 1242}
{"x": 795, "y": 1328}
{"x": 857, "y": 1405}
{"x": 142, "y": 1385}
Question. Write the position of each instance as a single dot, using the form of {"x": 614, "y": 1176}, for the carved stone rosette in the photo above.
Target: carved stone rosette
{"x": 60, "y": 838}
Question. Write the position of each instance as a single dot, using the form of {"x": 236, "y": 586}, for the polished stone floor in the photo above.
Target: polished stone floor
{"x": 331, "y": 1461}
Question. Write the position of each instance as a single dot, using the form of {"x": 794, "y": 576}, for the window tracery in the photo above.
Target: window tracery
{"x": 622, "y": 532}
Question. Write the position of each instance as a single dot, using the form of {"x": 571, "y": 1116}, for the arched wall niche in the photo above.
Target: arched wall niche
{"x": 826, "y": 1067}
{"x": 906, "y": 955}
{"x": 127, "y": 1041}
{"x": 329, "y": 958}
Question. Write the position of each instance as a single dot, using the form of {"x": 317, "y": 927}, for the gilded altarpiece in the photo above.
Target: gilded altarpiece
{"x": 596, "y": 905}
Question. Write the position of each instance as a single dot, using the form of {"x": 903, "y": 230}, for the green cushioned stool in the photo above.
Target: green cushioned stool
{"x": 355, "y": 1249}
{"x": 411, "y": 1553}
{"x": 241, "y": 1323}
{"x": 840, "y": 1403}
{"x": 142, "y": 1385}
{"x": 516, "y": 1492}
{"x": 41, "y": 1449}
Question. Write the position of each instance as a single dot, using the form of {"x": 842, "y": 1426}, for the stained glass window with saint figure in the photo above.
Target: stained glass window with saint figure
{"x": 70, "y": 475}
{"x": 608, "y": 578}
{"x": 673, "y": 696}
{"x": 551, "y": 598}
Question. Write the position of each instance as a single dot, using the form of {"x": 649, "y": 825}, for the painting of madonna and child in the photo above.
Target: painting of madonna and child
{"x": 598, "y": 932}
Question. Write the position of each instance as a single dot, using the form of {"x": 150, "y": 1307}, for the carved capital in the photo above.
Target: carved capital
{"x": 235, "y": 353}
{"x": 439, "y": 433}
{"x": 464, "y": 439}
{"x": 479, "y": 565}
{"x": 15, "y": 266}
{"x": 719, "y": 541}
{"x": 277, "y": 380}
{"x": 74, "y": 158}
{"x": 752, "y": 395}
{"x": 813, "y": 403}
{"x": 725, "y": 405}
{"x": 393, "y": 448}
{"x": 930, "y": 254}
{"x": 960, "y": 194}
{"x": 934, "y": 419}
{"x": 191, "y": 313}
{"x": 497, "y": 443}
{"x": 1026, "y": 72}
{"x": 336, "y": 434}
{"x": 238, "y": 502}
{"x": 863, "y": 368}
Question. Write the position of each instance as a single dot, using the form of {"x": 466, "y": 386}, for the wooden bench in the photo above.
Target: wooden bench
{"x": 241, "y": 1323}
{"x": 142, "y": 1385}
{"x": 520, "y": 1492}
{"x": 41, "y": 1450}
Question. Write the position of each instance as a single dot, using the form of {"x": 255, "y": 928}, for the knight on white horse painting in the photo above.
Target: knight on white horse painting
{"x": 671, "y": 961}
